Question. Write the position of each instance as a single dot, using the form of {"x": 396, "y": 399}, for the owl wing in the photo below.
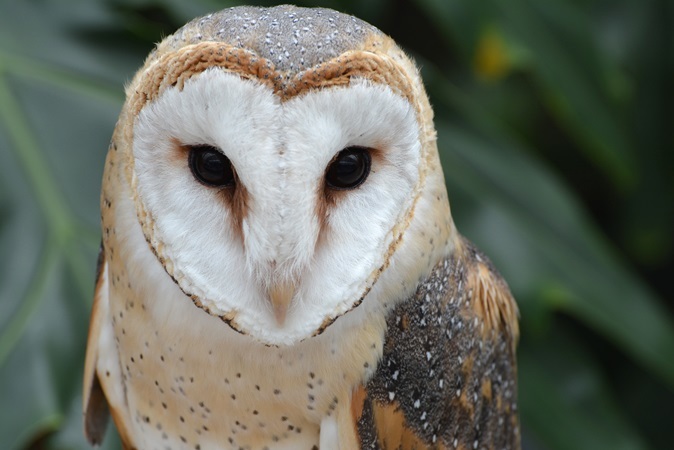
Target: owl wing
{"x": 447, "y": 378}
{"x": 95, "y": 405}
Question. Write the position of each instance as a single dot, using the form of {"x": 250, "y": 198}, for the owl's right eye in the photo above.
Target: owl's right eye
{"x": 210, "y": 167}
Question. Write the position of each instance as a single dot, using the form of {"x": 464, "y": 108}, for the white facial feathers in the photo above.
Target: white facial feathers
{"x": 330, "y": 251}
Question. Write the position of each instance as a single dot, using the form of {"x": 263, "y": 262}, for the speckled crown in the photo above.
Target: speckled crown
{"x": 292, "y": 38}
{"x": 288, "y": 48}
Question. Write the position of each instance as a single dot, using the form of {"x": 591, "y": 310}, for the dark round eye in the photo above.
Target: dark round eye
{"x": 349, "y": 168}
{"x": 210, "y": 167}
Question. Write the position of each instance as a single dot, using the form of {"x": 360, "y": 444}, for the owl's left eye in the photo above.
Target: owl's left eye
{"x": 349, "y": 168}
{"x": 210, "y": 166}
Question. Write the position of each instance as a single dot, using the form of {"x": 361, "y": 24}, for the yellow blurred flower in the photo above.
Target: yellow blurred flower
{"x": 491, "y": 61}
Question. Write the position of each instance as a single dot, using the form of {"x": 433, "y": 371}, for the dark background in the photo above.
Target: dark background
{"x": 555, "y": 125}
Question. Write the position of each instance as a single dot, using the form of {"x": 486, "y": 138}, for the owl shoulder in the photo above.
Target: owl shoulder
{"x": 447, "y": 377}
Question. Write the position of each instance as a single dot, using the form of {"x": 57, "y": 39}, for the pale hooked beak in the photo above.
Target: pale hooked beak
{"x": 280, "y": 295}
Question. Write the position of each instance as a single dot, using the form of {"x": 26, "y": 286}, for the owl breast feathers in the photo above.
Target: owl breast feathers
{"x": 279, "y": 266}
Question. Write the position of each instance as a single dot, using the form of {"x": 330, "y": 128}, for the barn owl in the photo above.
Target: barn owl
{"x": 279, "y": 266}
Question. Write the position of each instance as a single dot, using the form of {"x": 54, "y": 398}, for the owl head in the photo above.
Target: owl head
{"x": 283, "y": 168}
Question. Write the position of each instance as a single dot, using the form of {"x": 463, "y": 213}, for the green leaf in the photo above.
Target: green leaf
{"x": 564, "y": 398}
{"x": 542, "y": 242}
{"x": 56, "y": 116}
{"x": 580, "y": 84}
{"x": 563, "y": 58}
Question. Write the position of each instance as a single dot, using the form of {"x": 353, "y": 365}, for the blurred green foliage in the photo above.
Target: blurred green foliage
{"x": 555, "y": 124}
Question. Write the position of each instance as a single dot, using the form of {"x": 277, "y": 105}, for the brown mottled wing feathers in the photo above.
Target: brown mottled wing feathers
{"x": 95, "y": 405}
{"x": 447, "y": 378}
